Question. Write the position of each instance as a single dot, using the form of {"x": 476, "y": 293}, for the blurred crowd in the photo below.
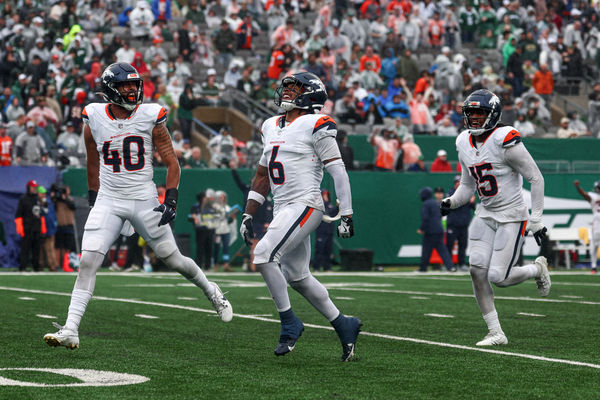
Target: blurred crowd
{"x": 402, "y": 64}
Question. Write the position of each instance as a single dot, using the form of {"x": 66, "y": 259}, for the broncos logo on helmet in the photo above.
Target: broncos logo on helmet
{"x": 310, "y": 92}
{"x": 115, "y": 75}
{"x": 481, "y": 100}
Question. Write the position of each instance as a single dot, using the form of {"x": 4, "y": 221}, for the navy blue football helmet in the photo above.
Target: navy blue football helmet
{"x": 310, "y": 92}
{"x": 486, "y": 101}
{"x": 597, "y": 186}
{"x": 117, "y": 74}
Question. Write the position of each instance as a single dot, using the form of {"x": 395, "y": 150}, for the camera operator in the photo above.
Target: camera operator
{"x": 65, "y": 216}
{"x": 222, "y": 149}
{"x": 387, "y": 146}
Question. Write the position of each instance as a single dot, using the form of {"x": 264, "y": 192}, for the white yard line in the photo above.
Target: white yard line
{"x": 378, "y": 335}
{"x": 546, "y": 300}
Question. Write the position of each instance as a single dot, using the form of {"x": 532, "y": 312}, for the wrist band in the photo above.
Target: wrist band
{"x": 259, "y": 198}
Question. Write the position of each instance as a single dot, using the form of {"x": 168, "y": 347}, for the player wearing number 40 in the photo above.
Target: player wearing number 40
{"x": 297, "y": 146}
{"x": 119, "y": 137}
{"x": 494, "y": 163}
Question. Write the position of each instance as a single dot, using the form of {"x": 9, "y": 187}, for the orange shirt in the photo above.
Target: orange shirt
{"x": 5, "y": 151}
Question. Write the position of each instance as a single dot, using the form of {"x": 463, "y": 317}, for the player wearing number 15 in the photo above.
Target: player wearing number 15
{"x": 494, "y": 162}
{"x": 119, "y": 139}
{"x": 297, "y": 146}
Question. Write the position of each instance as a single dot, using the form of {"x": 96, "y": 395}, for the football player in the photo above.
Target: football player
{"x": 297, "y": 146}
{"x": 494, "y": 162}
{"x": 594, "y": 199}
{"x": 119, "y": 137}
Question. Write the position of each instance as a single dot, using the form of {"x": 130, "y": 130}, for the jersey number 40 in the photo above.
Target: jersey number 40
{"x": 114, "y": 157}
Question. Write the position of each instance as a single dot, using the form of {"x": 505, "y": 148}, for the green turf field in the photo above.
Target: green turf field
{"x": 418, "y": 340}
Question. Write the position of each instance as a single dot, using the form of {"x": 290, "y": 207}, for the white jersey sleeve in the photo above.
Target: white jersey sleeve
{"x": 595, "y": 203}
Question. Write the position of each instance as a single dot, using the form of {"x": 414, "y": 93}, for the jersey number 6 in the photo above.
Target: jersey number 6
{"x": 276, "y": 168}
{"x": 112, "y": 157}
{"x": 486, "y": 184}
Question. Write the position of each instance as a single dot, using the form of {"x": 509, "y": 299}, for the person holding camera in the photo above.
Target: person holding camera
{"x": 222, "y": 148}
{"x": 387, "y": 146}
{"x": 64, "y": 239}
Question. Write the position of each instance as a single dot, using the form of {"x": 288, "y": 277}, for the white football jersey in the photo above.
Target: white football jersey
{"x": 499, "y": 186}
{"x": 295, "y": 170}
{"x": 125, "y": 149}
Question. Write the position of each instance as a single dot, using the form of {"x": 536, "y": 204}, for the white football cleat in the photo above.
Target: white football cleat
{"x": 221, "y": 304}
{"x": 64, "y": 337}
{"x": 543, "y": 279}
{"x": 493, "y": 338}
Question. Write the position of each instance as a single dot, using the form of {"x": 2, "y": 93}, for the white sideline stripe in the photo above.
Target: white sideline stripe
{"x": 378, "y": 335}
{"x": 343, "y": 298}
{"x": 546, "y": 300}
{"x": 571, "y": 297}
{"x": 530, "y": 314}
{"x": 439, "y": 315}
{"x": 46, "y": 316}
{"x": 187, "y": 298}
{"x": 264, "y": 298}
{"x": 27, "y": 298}
{"x": 419, "y": 297}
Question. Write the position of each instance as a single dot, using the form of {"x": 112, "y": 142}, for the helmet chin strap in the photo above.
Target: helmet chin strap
{"x": 287, "y": 105}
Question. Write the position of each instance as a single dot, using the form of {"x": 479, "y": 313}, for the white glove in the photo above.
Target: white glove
{"x": 246, "y": 229}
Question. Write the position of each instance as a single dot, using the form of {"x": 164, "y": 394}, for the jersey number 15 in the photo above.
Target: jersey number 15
{"x": 486, "y": 183}
{"x": 114, "y": 157}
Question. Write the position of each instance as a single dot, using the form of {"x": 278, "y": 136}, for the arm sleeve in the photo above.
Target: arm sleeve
{"x": 327, "y": 148}
{"x": 465, "y": 189}
{"x": 519, "y": 158}
{"x": 342, "y": 185}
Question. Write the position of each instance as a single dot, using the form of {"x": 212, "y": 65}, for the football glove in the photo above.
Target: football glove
{"x": 92, "y": 194}
{"x": 346, "y": 227}
{"x": 539, "y": 231}
{"x": 168, "y": 207}
{"x": 445, "y": 205}
{"x": 246, "y": 229}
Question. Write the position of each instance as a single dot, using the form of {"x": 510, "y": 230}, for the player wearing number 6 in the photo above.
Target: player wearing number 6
{"x": 297, "y": 146}
{"x": 494, "y": 163}
{"x": 119, "y": 138}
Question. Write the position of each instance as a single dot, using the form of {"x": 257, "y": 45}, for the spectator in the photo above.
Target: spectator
{"x": 324, "y": 237}
{"x": 457, "y": 227}
{"x": 441, "y": 163}
{"x": 42, "y": 115}
{"x": 203, "y": 51}
{"x": 353, "y": 29}
{"x": 468, "y": 23}
{"x": 183, "y": 40}
{"x": 141, "y": 19}
{"x": 445, "y": 127}
{"x": 432, "y": 230}
{"x": 210, "y": 89}
{"x": 564, "y": 131}
{"x": 187, "y": 103}
{"x": 225, "y": 43}
{"x": 246, "y": 31}
{"x": 155, "y": 49}
{"x": 346, "y": 151}
{"x": 370, "y": 57}
{"x": 418, "y": 166}
{"x": 577, "y": 125}
{"x": 14, "y": 109}
{"x": 30, "y": 225}
{"x": 195, "y": 160}
{"x": 6, "y": 145}
{"x": 161, "y": 9}
{"x": 543, "y": 83}
{"x": 514, "y": 69}
{"x": 524, "y": 126}
{"x": 125, "y": 53}
{"x": 387, "y": 146}
{"x": 30, "y": 148}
